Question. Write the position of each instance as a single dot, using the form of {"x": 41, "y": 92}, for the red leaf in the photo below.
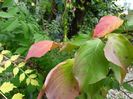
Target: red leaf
{"x": 60, "y": 82}
{"x": 40, "y": 48}
{"x": 106, "y": 25}
{"x": 119, "y": 51}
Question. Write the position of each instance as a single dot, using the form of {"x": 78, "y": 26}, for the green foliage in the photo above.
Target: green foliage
{"x": 128, "y": 87}
{"x": 20, "y": 30}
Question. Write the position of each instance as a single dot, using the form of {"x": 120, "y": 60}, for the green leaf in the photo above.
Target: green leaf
{"x": 13, "y": 10}
{"x": 21, "y": 77}
{"x": 20, "y": 50}
{"x": 60, "y": 82}
{"x": 79, "y": 39}
{"x": 11, "y": 25}
{"x": 6, "y": 87}
{"x": 118, "y": 72}
{"x": 15, "y": 71}
{"x": 18, "y": 96}
{"x": 119, "y": 51}
{"x": 90, "y": 65}
{"x": 39, "y": 37}
{"x": 92, "y": 91}
{"x": 75, "y": 42}
{"x": 128, "y": 87}
{"x": 25, "y": 29}
{"x": 8, "y": 3}
{"x": 5, "y": 15}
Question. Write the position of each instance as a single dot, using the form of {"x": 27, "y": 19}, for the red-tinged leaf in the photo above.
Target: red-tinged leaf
{"x": 106, "y": 25}
{"x": 60, "y": 82}
{"x": 40, "y": 48}
{"x": 119, "y": 51}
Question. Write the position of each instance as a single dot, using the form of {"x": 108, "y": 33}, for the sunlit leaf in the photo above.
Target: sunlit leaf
{"x": 28, "y": 81}
{"x": 119, "y": 51}
{"x": 40, "y": 48}
{"x": 7, "y": 64}
{"x": 60, "y": 82}
{"x": 21, "y": 77}
{"x": 14, "y": 57}
{"x": 32, "y": 76}
{"x": 28, "y": 71}
{"x": 1, "y": 69}
{"x": 22, "y": 64}
{"x": 15, "y": 71}
{"x": 1, "y": 57}
{"x": 18, "y": 96}
{"x": 6, "y": 87}
{"x": 90, "y": 65}
{"x": 4, "y": 52}
{"x": 106, "y": 25}
{"x": 34, "y": 82}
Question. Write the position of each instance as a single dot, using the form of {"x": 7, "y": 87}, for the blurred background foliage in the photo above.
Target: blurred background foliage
{"x": 23, "y": 22}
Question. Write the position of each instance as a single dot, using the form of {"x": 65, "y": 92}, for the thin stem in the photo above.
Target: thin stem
{"x": 3, "y": 95}
{"x": 20, "y": 69}
{"x": 126, "y": 94}
{"x": 129, "y": 81}
{"x": 65, "y": 22}
{"x": 16, "y": 66}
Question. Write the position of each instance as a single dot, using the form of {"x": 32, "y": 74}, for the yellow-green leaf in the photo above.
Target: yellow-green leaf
{"x": 14, "y": 57}
{"x": 18, "y": 96}
{"x": 34, "y": 82}
{"x": 1, "y": 69}
{"x": 21, "y": 64}
{"x": 27, "y": 81}
{"x": 4, "y": 52}
{"x": 7, "y": 64}
{"x": 28, "y": 71}
{"x": 6, "y": 87}
{"x": 33, "y": 76}
{"x": 15, "y": 71}
{"x": 1, "y": 58}
{"x": 22, "y": 77}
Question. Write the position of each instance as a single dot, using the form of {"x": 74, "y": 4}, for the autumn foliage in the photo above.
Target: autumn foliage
{"x": 91, "y": 64}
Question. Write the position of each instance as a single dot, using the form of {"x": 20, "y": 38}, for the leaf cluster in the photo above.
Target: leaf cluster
{"x": 16, "y": 80}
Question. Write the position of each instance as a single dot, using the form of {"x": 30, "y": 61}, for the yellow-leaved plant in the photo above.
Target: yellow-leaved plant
{"x": 16, "y": 68}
